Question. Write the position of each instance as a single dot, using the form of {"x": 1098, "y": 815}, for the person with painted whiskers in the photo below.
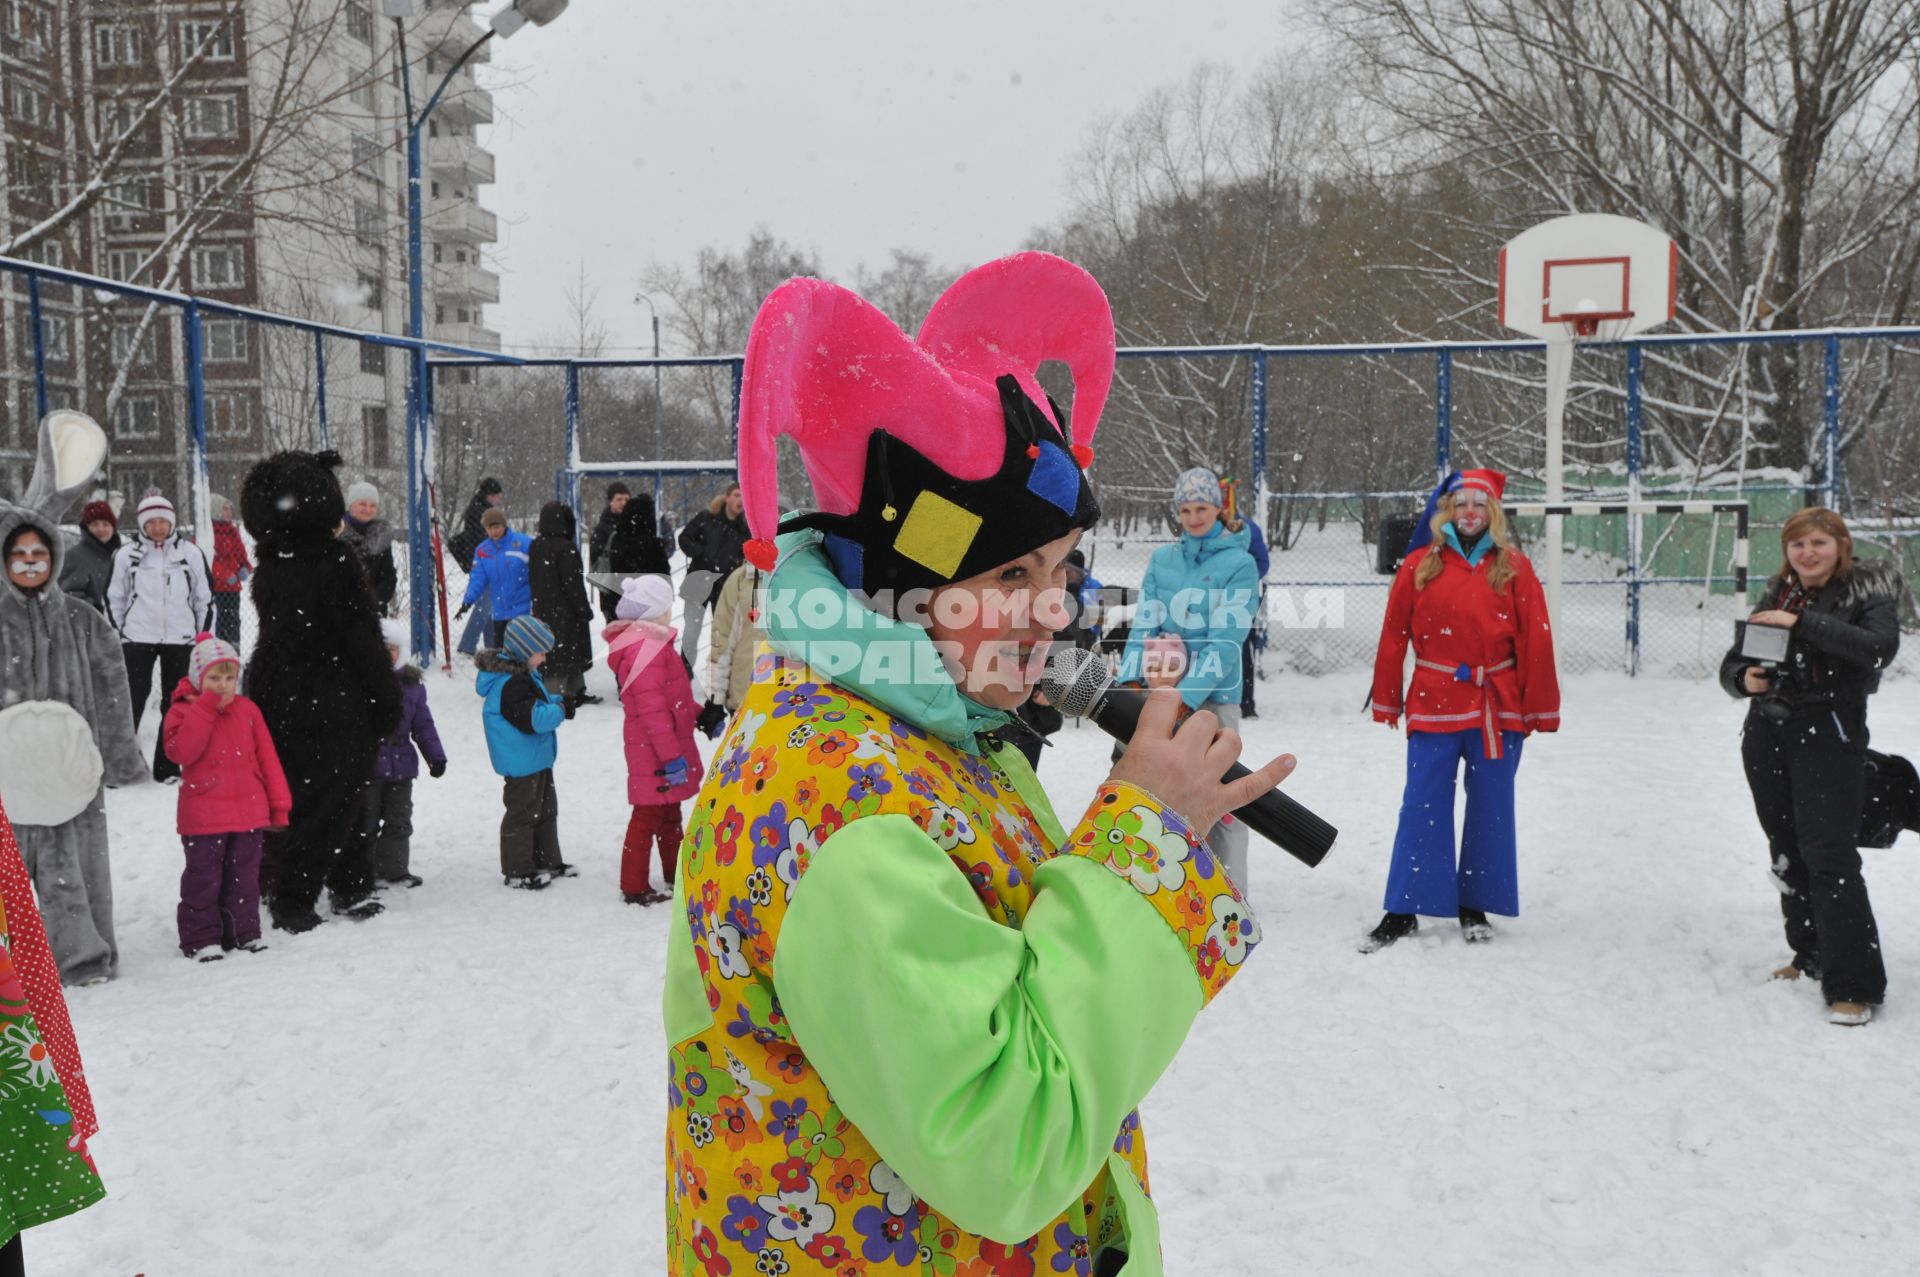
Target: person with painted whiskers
{"x": 1804, "y": 747}
{"x": 911, "y": 1012}
{"x": 1483, "y": 681}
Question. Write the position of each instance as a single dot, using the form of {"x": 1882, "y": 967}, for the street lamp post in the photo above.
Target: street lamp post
{"x": 420, "y": 573}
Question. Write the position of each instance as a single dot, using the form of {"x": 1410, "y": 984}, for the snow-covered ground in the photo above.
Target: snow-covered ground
{"x": 473, "y": 1083}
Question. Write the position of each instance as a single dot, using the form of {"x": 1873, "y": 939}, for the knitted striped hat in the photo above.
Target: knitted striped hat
{"x": 527, "y": 637}
{"x": 208, "y": 652}
{"x": 154, "y": 506}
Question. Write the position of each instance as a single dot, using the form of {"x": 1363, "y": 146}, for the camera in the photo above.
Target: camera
{"x": 1766, "y": 646}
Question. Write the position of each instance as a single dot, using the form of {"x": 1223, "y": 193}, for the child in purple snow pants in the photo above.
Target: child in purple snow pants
{"x": 231, "y": 791}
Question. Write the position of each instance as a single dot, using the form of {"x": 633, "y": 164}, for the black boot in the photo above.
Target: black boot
{"x": 357, "y": 905}
{"x": 1475, "y": 927}
{"x": 293, "y": 918}
{"x": 1395, "y": 926}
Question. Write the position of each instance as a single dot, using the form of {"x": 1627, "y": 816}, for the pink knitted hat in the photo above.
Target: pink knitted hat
{"x": 975, "y": 463}
{"x": 208, "y": 652}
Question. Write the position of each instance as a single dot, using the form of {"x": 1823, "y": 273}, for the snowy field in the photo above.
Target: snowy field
{"x": 473, "y": 1083}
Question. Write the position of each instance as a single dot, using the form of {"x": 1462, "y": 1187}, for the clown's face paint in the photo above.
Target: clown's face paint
{"x": 1470, "y": 511}
{"x": 29, "y": 561}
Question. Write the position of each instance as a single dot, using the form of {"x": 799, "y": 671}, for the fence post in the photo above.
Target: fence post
{"x": 1260, "y": 438}
{"x": 197, "y": 424}
{"x": 420, "y": 584}
{"x": 1443, "y": 412}
{"x": 739, "y": 370}
{"x": 1832, "y": 407}
{"x": 39, "y": 342}
{"x": 320, "y": 381}
{"x": 570, "y": 492}
{"x": 1633, "y": 520}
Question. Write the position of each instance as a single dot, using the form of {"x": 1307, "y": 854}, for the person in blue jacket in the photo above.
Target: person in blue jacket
{"x": 1256, "y": 640}
{"x": 499, "y": 574}
{"x": 1202, "y": 589}
{"x": 522, "y": 720}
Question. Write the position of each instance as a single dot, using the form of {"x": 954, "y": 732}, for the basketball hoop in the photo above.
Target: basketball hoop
{"x": 1589, "y": 276}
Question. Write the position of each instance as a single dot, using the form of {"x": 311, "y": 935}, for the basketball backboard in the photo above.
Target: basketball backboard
{"x": 1588, "y": 275}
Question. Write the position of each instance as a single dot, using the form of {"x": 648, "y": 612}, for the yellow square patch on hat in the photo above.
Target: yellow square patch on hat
{"x": 936, "y": 534}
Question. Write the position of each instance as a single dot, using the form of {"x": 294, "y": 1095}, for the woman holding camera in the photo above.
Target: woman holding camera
{"x": 1483, "y": 680}
{"x": 1805, "y": 744}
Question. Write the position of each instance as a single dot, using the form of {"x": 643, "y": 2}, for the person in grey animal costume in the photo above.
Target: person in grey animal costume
{"x": 66, "y": 720}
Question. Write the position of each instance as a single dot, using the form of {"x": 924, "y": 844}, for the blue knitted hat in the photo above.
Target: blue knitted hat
{"x": 527, "y": 637}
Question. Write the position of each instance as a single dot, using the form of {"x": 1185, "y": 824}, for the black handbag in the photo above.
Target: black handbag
{"x": 1893, "y": 800}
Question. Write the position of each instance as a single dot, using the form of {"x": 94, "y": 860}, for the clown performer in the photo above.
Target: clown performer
{"x": 66, "y": 720}
{"x": 46, "y": 1112}
{"x": 1483, "y": 680}
{"x": 911, "y": 1012}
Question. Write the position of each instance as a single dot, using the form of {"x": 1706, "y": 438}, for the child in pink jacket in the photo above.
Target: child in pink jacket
{"x": 663, "y": 767}
{"x": 231, "y": 791}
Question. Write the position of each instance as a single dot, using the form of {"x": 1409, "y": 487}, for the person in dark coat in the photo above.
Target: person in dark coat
{"x": 1805, "y": 750}
{"x": 372, "y": 539}
{"x": 560, "y": 599}
{"x": 89, "y": 566}
{"x": 462, "y": 546}
{"x": 618, "y": 495}
{"x": 321, "y": 677}
{"x": 634, "y": 549}
{"x": 386, "y": 817}
{"x": 714, "y": 542}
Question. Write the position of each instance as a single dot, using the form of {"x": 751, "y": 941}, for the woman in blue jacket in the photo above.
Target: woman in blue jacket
{"x": 1202, "y": 589}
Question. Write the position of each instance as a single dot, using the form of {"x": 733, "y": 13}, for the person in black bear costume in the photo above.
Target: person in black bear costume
{"x": 321, "y": 677}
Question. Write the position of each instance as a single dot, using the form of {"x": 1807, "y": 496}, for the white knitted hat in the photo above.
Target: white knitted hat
{"x": 362, "y": 491}
{"x": 644, "y": 598}
{"x": 154, "y": 506}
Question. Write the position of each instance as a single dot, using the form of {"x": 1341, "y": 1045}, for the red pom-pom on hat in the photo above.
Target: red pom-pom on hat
{"x": 762, "y": 553}
{"x": 202, "y": 636}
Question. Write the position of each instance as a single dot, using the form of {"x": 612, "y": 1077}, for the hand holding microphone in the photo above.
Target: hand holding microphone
{"x": 1183, "y": 763}
{"x": 1191, "y": 769}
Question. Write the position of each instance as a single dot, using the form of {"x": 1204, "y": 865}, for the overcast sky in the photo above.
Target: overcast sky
{"x": 629, "y": 133}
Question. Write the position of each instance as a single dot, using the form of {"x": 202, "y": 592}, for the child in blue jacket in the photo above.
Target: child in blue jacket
{"x": 523, "y": 719}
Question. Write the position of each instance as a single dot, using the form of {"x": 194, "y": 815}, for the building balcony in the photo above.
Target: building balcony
{"x": 457, "y": 35}
{"x": 460, "y": 160}
{"x": 462, "y": 222}
{"x": 472, "y": 336}
{"x": 459, "y": 282}
{"x": 466, "y": 101}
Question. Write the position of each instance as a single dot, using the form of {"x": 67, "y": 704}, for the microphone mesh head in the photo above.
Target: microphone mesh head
{"x": 1074, "y": 680}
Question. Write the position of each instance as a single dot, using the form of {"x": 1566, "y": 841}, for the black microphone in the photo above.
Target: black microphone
{"x": 1078, "y": 684}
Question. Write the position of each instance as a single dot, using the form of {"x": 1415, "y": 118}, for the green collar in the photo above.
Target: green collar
{"x": 811, "y": 617}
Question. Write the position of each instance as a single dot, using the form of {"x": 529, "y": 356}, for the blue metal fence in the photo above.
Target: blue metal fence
{"x": 631, "y": 457}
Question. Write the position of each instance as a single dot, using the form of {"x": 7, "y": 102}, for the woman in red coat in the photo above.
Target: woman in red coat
{"x": 1483, "y": 680}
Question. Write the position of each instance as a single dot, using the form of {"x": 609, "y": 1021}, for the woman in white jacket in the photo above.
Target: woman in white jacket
{"x": 160, "y": 597}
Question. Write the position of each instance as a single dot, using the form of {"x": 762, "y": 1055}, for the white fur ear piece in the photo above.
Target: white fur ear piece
{"x": 79, "y": 447}
{"x": 73, "y": 447}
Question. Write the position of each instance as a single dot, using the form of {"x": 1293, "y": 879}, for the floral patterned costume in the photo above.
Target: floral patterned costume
{"x": 910, "y": 1016}
{"x": 46, "y": 1114}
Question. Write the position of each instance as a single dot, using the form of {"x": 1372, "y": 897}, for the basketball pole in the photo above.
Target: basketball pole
{"x": 1559, "y": 381}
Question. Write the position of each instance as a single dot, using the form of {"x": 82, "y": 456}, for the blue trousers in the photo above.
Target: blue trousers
{"x": 1424, "y": 878}
{"x": 477, "y": 622}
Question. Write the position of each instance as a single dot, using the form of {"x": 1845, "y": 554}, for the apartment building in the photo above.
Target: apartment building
{"x": 272, "y": 175}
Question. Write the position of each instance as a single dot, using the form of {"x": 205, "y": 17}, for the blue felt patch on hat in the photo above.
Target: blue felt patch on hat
{"x": 1055, "y": 478}
{"x": 849, "y": 560}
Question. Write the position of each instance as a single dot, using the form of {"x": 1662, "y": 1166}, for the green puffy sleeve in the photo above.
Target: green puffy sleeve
{"x": 992, "y": 1066}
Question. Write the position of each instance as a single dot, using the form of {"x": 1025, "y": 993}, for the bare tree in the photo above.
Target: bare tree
{"x": 1775, "y": 142}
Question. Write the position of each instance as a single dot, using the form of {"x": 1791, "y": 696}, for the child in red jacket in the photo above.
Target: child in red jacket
{"x": 663, "y": 767}
{"x": 231, "y": 791}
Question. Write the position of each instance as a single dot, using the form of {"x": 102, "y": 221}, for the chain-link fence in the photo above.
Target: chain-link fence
{"x": 1328, "y": 445}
